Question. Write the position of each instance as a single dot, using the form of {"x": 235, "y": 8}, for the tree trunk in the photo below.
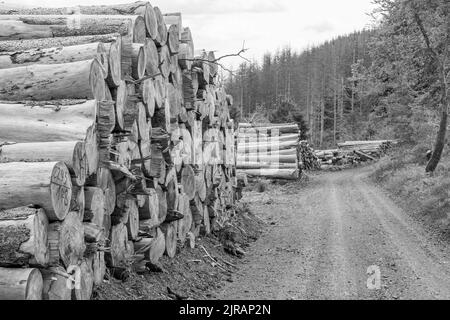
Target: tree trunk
{"x": 72, "y": 153}
{"x": 94, "y": 205}
{"x": 170, "y": 239}
{"x": 44, "y": 123}
{"x": 74, "y": 80}
{"x": 66, "y": 240}
{"x": 56, "y": 55}
{"x": 20, "y": 284}
{"x": 161, "y": 37}
{"x": 84, "y": 292}
{"x": 17, "y": 27}
{"x": 133, "y": 220}
{"x": 23, "y": 237}
{"x": 55, "y": 284}
{"x": 119, "y": 253}
{"x": 173, "y": 40}
{"x": 32, "y": 44}
{"x": 46, "y": 184}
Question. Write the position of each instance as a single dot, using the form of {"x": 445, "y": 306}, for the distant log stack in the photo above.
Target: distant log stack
{"x": 269, "y": 150}
{"x": 115, "y": 143}
{"x": 354, "y": 152}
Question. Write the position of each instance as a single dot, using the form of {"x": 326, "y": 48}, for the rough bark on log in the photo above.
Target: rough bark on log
{"x": 46, "y": 184}
{"x": 133, "y": 8}
{"x": 74, "y": 80}
{"x": 20, "y": 284}
{"x": 23, "y": 237}
{"x": 17, "y": 27}
{"x": 32, "y": 44}
{"x": 56, "y": 55}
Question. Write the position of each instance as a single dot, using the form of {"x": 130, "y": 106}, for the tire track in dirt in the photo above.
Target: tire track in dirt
{"x": 328, "y": 234}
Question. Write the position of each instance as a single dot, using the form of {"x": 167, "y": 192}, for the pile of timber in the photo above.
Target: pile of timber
{"x": 268, "y": 150}
{"x": 117, "y": 146}
{"x": 308, "y": 159}
{"x": 354, "y": 152}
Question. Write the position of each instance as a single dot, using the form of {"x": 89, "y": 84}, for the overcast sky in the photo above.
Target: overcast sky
{"x": 264, "y": 25}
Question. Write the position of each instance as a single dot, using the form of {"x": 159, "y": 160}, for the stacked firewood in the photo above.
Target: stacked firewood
{"x": 308, "y": 159}
{"x": 116, "y": 146}
{"x": 268, "y": 150}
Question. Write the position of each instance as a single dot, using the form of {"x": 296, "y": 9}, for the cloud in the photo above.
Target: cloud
{"x": 321, "y": 27}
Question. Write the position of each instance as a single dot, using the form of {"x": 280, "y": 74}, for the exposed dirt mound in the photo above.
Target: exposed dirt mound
{"x": 193, "y": 273}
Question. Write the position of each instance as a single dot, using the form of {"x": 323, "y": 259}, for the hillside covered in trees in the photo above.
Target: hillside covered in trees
{"x": 386, "y": 82}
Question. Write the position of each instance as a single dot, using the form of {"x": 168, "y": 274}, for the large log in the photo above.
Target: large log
{"x": 114, "y": 51}
{"x": 84, "y": 282}
{"x": 265, "y": 165}
{"x": 184, "y": 225}
{"x": 138, "y": 61}
{"x": 152, "y": 62}
{"x": 72, "y": 153}
{"x": 161, "y": 37}
{"x": 150, "y": 211}
{"x": 104, "y": 180}
{"x": 133, "y": 220}
{"x": 98, "y": 267}
{"x": 132, "y": 8}
{"x": 170, "y": 234}
{"x": 148, "y": 96}
{"x": 119, "y": 254}
{"x": 23, "y": 237}
{"x": 17, "y": 27}
{"x": 66, "y": 240}
{"x": 55, "y": 284}
{"x": 292, "y": 158}
{"x": 188, "y": 181}
{"x": 56, "y": 55}
{"x": 74, "y": 80}
{"x": 259, "y": 147}
{"x": 32, "y": 44}
{"x": 164, "y": 61}
{"x": 288, "y": 174}
{"x": 94, "y": 205}
{"x": 20, "y": 284}
{"x": 46, "y": 184}
{"x": 44, "y": 123}
{"x": 173, "y": 40}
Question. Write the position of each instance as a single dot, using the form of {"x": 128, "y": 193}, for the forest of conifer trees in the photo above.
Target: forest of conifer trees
{"x": 377, "y": 83}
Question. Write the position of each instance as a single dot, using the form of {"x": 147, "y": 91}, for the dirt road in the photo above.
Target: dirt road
{"x": 324, "y": 236}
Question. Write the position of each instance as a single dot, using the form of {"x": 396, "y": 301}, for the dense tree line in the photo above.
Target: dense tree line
{"x": 387, "y": 82}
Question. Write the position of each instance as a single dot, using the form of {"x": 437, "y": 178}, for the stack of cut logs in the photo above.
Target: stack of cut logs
{"x": 268, "y": 150}
{"x": 116, "y": 146}
{"x": 308, "y": 159}
{"x": 354, "y": 152}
